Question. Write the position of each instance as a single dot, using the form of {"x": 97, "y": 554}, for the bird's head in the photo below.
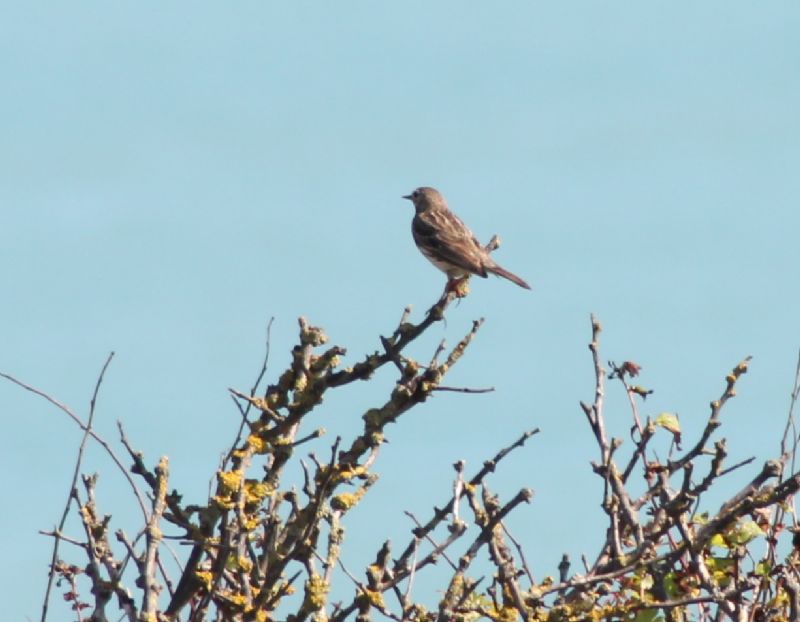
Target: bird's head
{"x": 425, "y": 198}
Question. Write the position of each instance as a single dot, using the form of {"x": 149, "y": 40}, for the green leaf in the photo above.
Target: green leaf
{"x": 669, "y": 421}
{"x": 763, "y": 569}
{"x": 720, "y": 563}
{"x": 671, "y": 586}
{"x": 746, "y": 532}
{"x": 647, "y": 615}
{"x": 718, "y": 540}
{"x": 721, "y": 569}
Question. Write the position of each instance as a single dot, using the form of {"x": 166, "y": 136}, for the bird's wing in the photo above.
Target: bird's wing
{"x": 443, "y": 234}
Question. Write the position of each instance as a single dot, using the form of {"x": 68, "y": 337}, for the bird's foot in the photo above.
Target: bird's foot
{"x": 458, "y": 287}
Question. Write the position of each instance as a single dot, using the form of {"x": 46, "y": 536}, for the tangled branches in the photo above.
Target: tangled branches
{"x": 264, "y": 547}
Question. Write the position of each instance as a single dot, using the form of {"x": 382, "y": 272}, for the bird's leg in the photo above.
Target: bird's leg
{"x": 458, "y": 286}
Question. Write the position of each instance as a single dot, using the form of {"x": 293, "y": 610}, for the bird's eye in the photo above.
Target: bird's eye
{"x": 415, "y": 194}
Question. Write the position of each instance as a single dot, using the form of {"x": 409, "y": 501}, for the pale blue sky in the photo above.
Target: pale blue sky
{"x": 171, "y": 177}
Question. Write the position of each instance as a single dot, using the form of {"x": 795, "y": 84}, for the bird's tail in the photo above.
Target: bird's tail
{"x": 495, "y": 269}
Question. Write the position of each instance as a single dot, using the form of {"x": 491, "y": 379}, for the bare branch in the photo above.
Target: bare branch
{"x": 76, "y": 471}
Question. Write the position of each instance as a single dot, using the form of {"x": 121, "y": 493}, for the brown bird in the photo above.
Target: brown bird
{"x": 448, "y": 243}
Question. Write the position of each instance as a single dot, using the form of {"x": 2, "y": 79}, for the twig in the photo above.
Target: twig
{"x": 628, "y": 367}
{"x": 75, "y": 473}
{"x": 464, "y": 389}
{"x": 791, "y": 424}
{"x": 738, "y": 465}
{"x": 153, "y": 533}
{"x": 244, "y": 412}
{"x": 790, "y": 421}
{"x": 458, "y": 489}
{"x": 439, "y": 549}
{"x": 412, "y": 574}
{"x": 61, "y": 536}
{"x": 435, "y": 358}
{"x": 441, "y": 513}
{"x": 404, "y": 334}
{"x": 713, "y": 419}
{"x": 520, "y": 552}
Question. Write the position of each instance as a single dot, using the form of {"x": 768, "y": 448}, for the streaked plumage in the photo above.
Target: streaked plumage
{"x": 448, "y": 243}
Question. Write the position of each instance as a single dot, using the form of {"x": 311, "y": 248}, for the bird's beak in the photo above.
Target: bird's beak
{"x": 407, "y": 196}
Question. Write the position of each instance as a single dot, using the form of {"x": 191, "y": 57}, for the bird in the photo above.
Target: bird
{"x": 444, "y": 239}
